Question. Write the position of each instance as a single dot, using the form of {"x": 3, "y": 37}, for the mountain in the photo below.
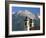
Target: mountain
{"x": 26, "y": 13}
{"x": 19, "y": 17}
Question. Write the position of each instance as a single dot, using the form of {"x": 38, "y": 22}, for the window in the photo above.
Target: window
{"x": 30, "y": 24}
{"x": 25, "y": 23}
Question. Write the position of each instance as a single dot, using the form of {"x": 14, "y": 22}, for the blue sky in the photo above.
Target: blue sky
{"x": 33, "y": 10}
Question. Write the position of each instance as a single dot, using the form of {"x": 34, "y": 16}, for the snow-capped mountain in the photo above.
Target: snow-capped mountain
{"x": 19, "y": 17}
{"x": 27, "y": 13}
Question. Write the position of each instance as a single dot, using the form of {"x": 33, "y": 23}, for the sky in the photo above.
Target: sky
{"x": 31, "y": 9}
